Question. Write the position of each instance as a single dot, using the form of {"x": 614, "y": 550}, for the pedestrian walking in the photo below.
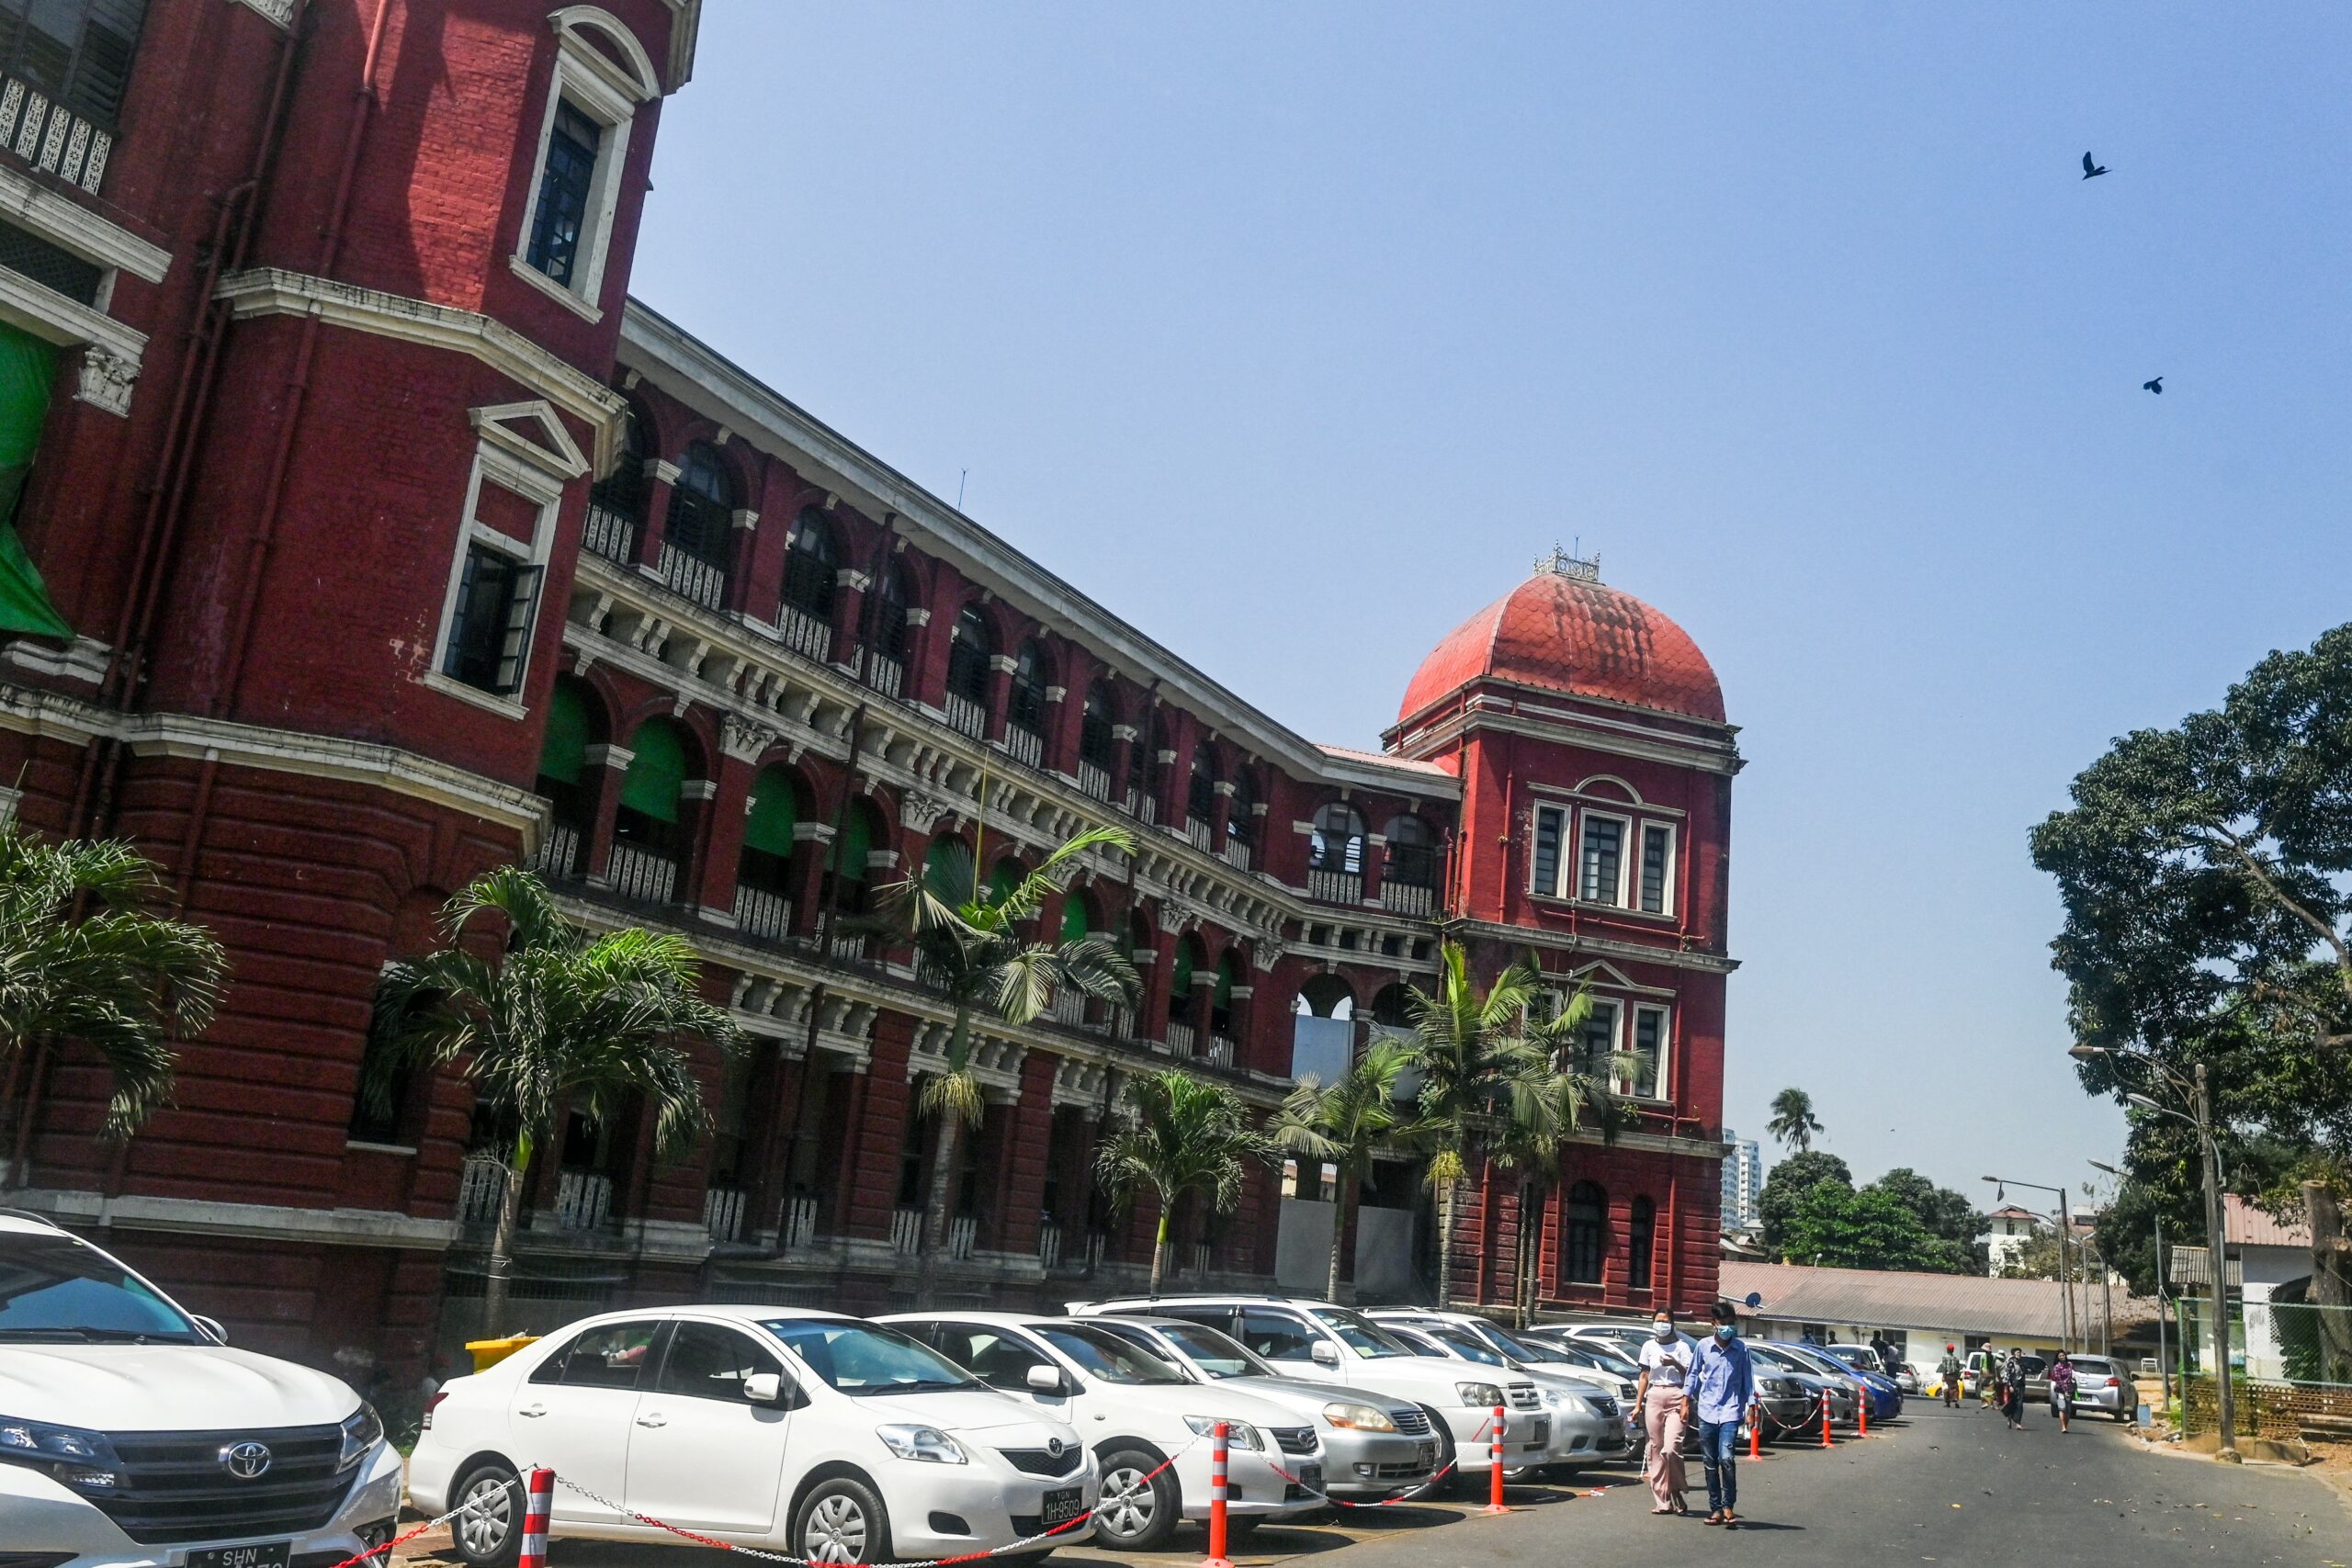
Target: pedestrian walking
{"x": 1949, "y": 1370}
{"x": 1722, "y": 1389}
{"x": 1888, "y": 1362}
{"x": 2062, "y": 1391}
{"x": 2013, "y": 1390}
{"x": 1667, "y": 1361}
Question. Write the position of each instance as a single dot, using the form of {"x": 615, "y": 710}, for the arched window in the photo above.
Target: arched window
{"x": 571, "y": 727}
{"x": 1241, "y": 817}
{"x": 1587, "y": 1217}
{"x": 862, "y": 831}
{"x": 648, "y": 837}
{"x": 616, "y": 501}
{"x": 1095, "y": 741}
{"x": 947, "y": 868}
{"x": 764, "y": 876}
{"x": 1228, "y": 975}
{"x": 1641, "y": 1240}
{"x": 1032, "y": 672}
{"x": 702, "y": 519}
{"x": 1388, "y": 1006}
{"x": 1412, "y": 852}
{"x": 1337, "y": 845}
{"x": 1080, "y": 917}
{"x": 969, "y": 650}
{"x": 810, "y": 568}
{"x": 1004, "y": 878}
{"x": 1189, "y": 959}
{"x": 885, "y": 665}
{"x": 1200, "y": 796}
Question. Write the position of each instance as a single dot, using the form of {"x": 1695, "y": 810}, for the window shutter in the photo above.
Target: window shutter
{"x": 1549, "y": 821}
{"x": 514, "y": 644}
{"x": 461, "y": 621}
{"x": 774, "y": 813}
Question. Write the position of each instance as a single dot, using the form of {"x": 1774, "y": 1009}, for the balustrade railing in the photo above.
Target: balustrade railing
{"x": 798, "y": 1224}
{"x": 1093, "y": 781}
{"x": 1023, "y": 745}
{"x": 1235, "y": 853}
{"x": 1147, "y": 810}
{"x": 965, "y": 716}
{"x": 1198, "y": 833}
{"x": 610, "y": 533}
{"x": 1335, "y": 886}
{"x": 906, "y": 1230}
{"x": 558, "y": 853}
{"x": 481, "y": 1187}
{"x": 963, "y": 1234}
{"x": 759, "y": 912}
{"x": 640, "y": 873}
{"x": 888, "y": 676}
{"x": 1050, "y": 1243}
{"x": 45, "y": 133}
{"x": 694, "y": 577}
{"x": 849, "y": 947}
{"x": 1200, "y": 1255}
{"x": 804, "y": 633}
{"x": 583, "y": 1200}
{"x": 1180, "y": 1038}
{"x": 1069, "y": 1007}
{"x": 722, "y": 1212}
{"x": 1221, "y": 1051}
{"x": 1403, "y": 899}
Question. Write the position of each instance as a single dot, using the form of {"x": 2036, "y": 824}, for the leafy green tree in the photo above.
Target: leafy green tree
{"x": 556, "y": 1021}
{"x": 85, "y": 956}
{"x": 1343, "y": 1124}
{"x": 1840, "y": 1227}
{"x": 1182, "y": 1135}
{"x": 1944, "y": 1213}
{"x": 968, "y": 944}
{"x": 1793, "y": 1123}
{"x": 2206, "y": 871}
{"x": 1785, "y": 1186}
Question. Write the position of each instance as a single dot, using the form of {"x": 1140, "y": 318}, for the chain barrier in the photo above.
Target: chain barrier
{"x": 407, "y": 1536}
{"x": 1402, "y": 1498}
{"x": 766, "y": 1556}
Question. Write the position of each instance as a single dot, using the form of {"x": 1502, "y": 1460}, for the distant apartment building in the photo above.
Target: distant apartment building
{"x": 1743, "y": 1183}
{"x": 2008, "y": 1230}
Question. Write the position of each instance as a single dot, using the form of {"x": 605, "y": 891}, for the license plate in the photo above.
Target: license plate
{"x": 275, "y": 1555}
{"x": 1063, "y": 1504}
{"x": 1424, "y": 1453}
{"x": 1542, "y": 1432}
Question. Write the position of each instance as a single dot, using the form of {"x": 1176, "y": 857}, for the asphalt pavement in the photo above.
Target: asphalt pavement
{"x": 1953, "y": 1488}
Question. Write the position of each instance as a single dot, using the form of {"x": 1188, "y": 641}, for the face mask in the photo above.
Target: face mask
{"x": 1722, "y": 1332}
{"x": 1665, "y": 1330}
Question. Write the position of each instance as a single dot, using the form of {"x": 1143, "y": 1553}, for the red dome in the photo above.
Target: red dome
{"x": 1573, "y": 634}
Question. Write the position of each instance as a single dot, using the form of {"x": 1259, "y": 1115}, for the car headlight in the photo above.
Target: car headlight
{"x": 928, "y": 1444}
{"x": 1351, "y": 1418}
{"x": 1479, "y": 1395}
{"x": 82, "y": 1460}
{"x": 1237, "y": 1434}
{"x": 362, "y": 1430}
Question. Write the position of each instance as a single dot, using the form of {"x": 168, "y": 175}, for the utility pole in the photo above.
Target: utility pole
{"x": 2217, "y": 1237}
{"x": 2164, "y": 1361}
{"x": 2066, "y": 1269}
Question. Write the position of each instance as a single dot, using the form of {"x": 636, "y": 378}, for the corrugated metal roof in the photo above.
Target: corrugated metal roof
{"x": 1953, "y": 1303}
{"x": 2249, "y": 1226}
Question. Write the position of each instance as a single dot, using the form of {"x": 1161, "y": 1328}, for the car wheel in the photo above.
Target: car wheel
{"x": 1443, "y": 1478}
{"x": 1136, "y": 1513}
{"x": 842, "y": 1520}
{"x": 489, "y": 1533}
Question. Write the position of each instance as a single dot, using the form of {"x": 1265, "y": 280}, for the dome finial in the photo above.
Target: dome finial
{"x": 1570, "y": 564}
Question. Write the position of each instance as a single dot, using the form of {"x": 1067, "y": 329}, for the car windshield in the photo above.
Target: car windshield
{"x": 1808, "y": 1357}
{"x": 863, "y": 1359}
{"x": 1776, "y": 1359}
{"x": 1218, "y": 1355}
{"x": 1363, "y": 1336}
{"x": 1103, "y": 1355}
{"x": 1471, "y": 1347}
{"x": 58, "y": 1289}
{"x": 1537, "y": 1350}
{"x": 1852, "y": 1355}
{"x": 1609, "y": 1361}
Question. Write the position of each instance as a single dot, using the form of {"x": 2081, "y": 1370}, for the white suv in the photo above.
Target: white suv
{"x": 132, "y": 1436}
{"x": 835, "y": 1440}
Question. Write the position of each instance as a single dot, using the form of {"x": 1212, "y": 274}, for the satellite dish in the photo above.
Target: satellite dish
{"x": 1755, "y": 1300}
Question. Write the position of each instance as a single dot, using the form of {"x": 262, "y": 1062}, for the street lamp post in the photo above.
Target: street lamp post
{"x": 2164, "y": 1361}
{"x": 2065, "y": 1258}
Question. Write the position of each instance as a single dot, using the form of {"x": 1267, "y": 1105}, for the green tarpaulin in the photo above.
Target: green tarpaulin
{"x": 28, "y": 367}
{"x": 1074, "y": 918}
{"x": 563, "y": 754}
{"x": 773, "y": 812}
{"x": 657, "y": 771}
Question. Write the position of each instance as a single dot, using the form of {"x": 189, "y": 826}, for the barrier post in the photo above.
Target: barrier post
{"x": 1756, "y": 1433}
{"x": 1219, "y": 1436}
{"x": 1862, "y": 1411}
{"x": 1495, "y": 1452}
{"x": 1825, "y": 1417}
{"x": 536, "y": 1504}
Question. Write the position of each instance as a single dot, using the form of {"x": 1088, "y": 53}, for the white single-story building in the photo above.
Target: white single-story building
{"x": 1919, "y": 1314}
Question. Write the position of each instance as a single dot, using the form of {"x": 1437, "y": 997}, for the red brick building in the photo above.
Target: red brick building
{"x": 373, "y": 537}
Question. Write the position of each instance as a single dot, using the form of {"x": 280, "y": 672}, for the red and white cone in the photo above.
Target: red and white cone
{"x": 537, "y": 1501}
{"x": 1218, "y": 1444}
{"x": 1495, "y": 1503}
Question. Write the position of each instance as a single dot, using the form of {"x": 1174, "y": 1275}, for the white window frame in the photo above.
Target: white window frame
{"x": 1617, "y": 1015}
{"x": 593, "y": 83}
{"x": 1663, "y": 1078}
{"x": 1565, "y": 862}
{"x": 1624, "y": 837}
{"x": 1673, "y": 865}
{"x": 523, "y": 467}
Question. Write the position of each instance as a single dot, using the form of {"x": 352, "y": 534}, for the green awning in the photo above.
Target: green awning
{"x": 563, "y": 752}
{"x": 657, "y": 771}
{"x": 1074, "y": 916}
{"x": 773, "y": 812}
{"x": 27, "y": 369}
{"x": 1224, "y": 981}
{"x": 856, "y": 842}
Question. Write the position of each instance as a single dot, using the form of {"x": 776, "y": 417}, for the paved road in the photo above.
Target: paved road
{"x": 1953, "y": 1488}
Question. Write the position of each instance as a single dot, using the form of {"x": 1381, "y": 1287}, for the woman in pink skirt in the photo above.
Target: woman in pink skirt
{"x": 1666, "y": 1366}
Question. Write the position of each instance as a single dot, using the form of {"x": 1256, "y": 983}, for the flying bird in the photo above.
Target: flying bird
{"x": 2156, "y": 385}
{"x": 2091, "y": 168}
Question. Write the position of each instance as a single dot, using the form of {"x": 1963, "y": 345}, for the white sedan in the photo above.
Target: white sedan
{"x": 832, "y": 1438}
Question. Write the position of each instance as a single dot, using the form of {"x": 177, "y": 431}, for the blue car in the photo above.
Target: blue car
{"x": 1886, "y": 1398}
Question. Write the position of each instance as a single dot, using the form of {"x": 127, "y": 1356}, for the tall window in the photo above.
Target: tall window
{"x": 1200, "y": 796}
{"x": 1657, "y": 861}
{"x": 1551, "y": 831}
{"x": 1599, "y": 1041}
{"x": 1241, "y": 817}
{"x": 973, "y": 644}
{"x": 652, "y": 789}
{"x": 1412, "y": 852}
{"x": 1586, "y": 1218}
{"x": 1337, "y": 845}
{"x": 616, "y": 501}
{"x": 1094, "y": 739}
{"x": 892, "y": 594}
{"x": 768, "y": 828}
{"x": 76, "y": 52}
{"x": 563, "y": 755}
{"x": 810, "y": 568}
{"x": 1640, "y": 1241}
{"x": 1032, "y": 673}
{"x": 490, "y": 632}
{"x": 1601, "y": 865}
{"x": 567, "y": 183}
{"x": 1647, "y": 1079}
{"x": 702, "y": 506}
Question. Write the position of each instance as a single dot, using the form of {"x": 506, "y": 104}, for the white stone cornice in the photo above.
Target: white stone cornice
{"x": 1601, "y": 947}
{"x": 272, "y": 292}
{"x": 71, "y": 226}
{"x": 272, "y": 1221}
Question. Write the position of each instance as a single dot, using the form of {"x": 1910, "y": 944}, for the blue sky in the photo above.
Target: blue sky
{"x": 1295, "y": 333}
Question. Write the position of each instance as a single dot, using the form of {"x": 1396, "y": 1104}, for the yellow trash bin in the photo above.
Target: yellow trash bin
{"x": 488, "y": 1353}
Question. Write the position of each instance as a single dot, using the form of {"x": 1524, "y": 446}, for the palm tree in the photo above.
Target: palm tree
{"x": 1544, "y": 1105}
{"x": 82, "y": 956}
{"x": 967, "y": 944}
{"x": 1340, "y": 1125}
{"x": 1478, "y": 1069}
{"x": 559, "y": 1021}
{"x": 1793, "y": 1123}
{"x": 1182, "y": 1136}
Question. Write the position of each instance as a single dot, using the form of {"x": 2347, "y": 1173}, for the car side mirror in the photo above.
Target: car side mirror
{"x": 765, "y": 1388}
{"x": 1324, "y": 1354}
{"x": 212, "y": 1329}
{"x": 1044, "y": 1379}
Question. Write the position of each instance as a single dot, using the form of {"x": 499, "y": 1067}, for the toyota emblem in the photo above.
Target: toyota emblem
{"x": 246, "y": 1461}
{"x": 1054, "y": 1447}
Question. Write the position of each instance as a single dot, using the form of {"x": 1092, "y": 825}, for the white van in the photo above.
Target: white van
{"x": 131, "y": 1433}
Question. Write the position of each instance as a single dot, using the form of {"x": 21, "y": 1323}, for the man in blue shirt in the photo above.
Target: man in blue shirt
{"x": 1722, "y": 1389}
